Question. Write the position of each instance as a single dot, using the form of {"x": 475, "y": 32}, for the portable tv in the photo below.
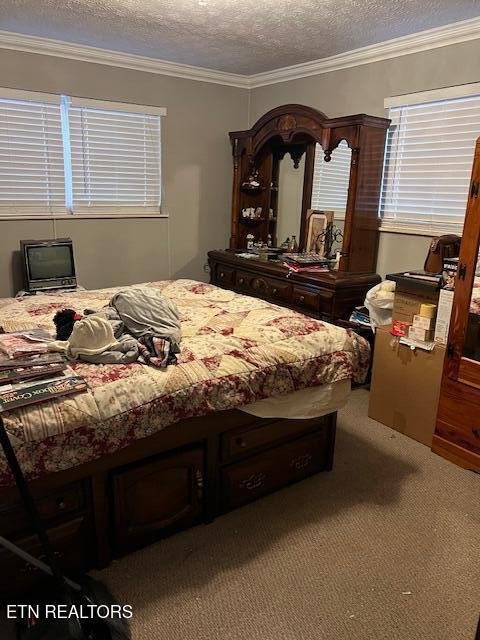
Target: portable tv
{"x": 49, "y": 264}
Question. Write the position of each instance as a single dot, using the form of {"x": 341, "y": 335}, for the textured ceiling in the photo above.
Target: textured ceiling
{"x": 240, "y": 36}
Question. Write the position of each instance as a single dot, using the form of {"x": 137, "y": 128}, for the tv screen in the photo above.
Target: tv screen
{"x": 50, "y": 262}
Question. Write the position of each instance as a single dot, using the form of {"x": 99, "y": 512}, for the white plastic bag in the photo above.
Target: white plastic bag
{"x": 379, "y": 302}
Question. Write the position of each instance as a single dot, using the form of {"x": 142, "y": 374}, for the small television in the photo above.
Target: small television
{"x": 49, "y": 264}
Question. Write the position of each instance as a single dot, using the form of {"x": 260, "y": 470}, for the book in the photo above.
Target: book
{"x": 305, "y": 259}
{"x": 33, "y": 360}
{"x": 21, "y": 395}
{"x": 423, "y": 275}
{"x": 15, "y": 374}
{"x": 313, "y": 268}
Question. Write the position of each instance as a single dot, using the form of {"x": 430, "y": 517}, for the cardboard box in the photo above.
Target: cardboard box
{"x": 405, "y": 386}
{"x": 407, "y": 302}
{"x": 444, "y": 312}
{"x": 422, "y": 322}
{"x": 417, "y": 333}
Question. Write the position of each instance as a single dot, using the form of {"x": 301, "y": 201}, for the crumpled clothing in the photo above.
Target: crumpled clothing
{"x": 146, "y": 317}
{"x": 160, "y": 352}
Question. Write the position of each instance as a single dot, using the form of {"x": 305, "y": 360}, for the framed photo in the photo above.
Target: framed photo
{"x": 317, "y": 223}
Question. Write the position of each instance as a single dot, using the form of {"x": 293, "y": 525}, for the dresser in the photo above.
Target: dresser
{"x": 294, "y": 168}
{"x": 328, "y": 296}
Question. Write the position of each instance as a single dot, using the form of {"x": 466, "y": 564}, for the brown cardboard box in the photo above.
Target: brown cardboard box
{"x": 405, "y": 386}
{"x": 407, "y": 302}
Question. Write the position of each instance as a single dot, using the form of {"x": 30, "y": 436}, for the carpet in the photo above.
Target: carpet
{"x": 385, "y": 547}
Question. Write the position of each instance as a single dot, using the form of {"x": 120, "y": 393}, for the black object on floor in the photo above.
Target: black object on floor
{"x": 84, "y": 595}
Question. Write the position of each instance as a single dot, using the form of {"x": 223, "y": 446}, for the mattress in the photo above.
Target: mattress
{"x": 313, "y": 402}
{"x": 235, "y": 351}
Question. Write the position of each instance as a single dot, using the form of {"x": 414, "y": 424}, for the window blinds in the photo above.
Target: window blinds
{"x": 60, "y": 156}
{"x": 31, "y": 158}
{"x": 115, "y": 157}
{"x": 428, "y": 162}
{"x": 331, "y": 179}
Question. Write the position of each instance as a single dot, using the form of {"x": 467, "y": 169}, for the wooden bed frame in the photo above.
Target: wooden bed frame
{"x": 187, "y": 474}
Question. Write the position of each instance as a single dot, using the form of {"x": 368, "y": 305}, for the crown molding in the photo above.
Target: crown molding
{"x": 405, "y": 45}
{"x": 454, "y": 33}
{"x": 86, "y": 53}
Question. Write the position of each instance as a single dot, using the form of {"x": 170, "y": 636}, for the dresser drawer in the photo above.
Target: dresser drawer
{"x": 224, "y": 276}
{"x": 278, "y": 290}
{"x": 266, "y": 472}
{"x": 240, "y": 442}
{"x": 72, "y": 545}
{"x": 52, "y": 507}
{"x": 303, "y": 297}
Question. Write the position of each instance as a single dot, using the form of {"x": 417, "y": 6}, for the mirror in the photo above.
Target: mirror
{"x": 290, "y": 196}
{"x": 330, "y": 186}
{"x": 471, "y": 344}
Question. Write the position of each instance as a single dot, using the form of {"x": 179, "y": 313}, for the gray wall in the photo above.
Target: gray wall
{"x": 362, "y": 90}
{"x": 196, "y": 156}
{"x": 197, "y": 175}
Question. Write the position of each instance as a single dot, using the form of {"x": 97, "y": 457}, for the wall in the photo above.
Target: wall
{"x": 197, "y": 175}
{"x": 362, "y": 89}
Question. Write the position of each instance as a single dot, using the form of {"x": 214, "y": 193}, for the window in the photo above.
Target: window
{"x": 62, "y": 156}
{"x": 31, "y": 158}
{"x": 428, "y": 160}
{"x": 331, "y": 180}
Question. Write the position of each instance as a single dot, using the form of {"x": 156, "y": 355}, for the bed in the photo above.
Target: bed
{"x": 250, "y": 406}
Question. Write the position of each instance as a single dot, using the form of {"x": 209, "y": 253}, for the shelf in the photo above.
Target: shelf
{"x": 251, "y": 222}
{"x": 248, "y": 189}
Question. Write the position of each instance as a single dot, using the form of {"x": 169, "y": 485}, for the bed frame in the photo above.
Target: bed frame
{"x": 187, "y": 474}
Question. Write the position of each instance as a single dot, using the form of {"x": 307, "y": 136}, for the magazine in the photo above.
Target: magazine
{"x": 16, "y": 373}
{"x": 20, "y": 343}
{"x": 21, "y": 395}
{"x": 33, "y": 360}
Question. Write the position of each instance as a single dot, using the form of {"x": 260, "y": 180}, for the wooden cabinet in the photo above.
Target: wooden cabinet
{"x": 330, "y": 296}
{"x": 457, "y": 433}
{"x": 155, "y": 498}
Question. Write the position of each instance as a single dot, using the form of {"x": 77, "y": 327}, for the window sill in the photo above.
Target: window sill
{"x": 82, "y": 216}
{"x": 416, "y": 231}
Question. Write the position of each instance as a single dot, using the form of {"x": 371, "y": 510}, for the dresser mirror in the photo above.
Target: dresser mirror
{"x": 331, "y": 181}
{"x": 289, "y": 200}
{"x": 471, "y": 344}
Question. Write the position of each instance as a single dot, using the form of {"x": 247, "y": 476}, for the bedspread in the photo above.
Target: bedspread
{"x": 235, "y": 350}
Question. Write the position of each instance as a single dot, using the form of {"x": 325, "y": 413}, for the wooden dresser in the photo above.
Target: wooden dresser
{"x": 271, "y": 199}
{"x": 457, "y": 433}
{"x": 328, "y": 296}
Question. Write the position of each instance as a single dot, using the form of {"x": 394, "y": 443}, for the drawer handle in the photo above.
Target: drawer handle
{"x": 302, "y": 298}
{"x": 241, "y": 280}
{"x": 274, "y": 291}
{"x": 300, "y": 462}
{"x": 61, "y": 504}
{"x": 253, "y": 482}
{"x": 240, "y": 442}
{"x": 222, "y": 274}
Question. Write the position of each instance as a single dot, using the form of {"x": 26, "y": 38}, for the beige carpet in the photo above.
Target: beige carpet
{"x": 386, "y": 546}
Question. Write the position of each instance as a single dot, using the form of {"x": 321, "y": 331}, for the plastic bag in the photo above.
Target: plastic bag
{"x": 379, "y": 302}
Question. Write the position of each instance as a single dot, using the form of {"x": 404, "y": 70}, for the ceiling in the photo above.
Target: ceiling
{"x": 238, "y": 36}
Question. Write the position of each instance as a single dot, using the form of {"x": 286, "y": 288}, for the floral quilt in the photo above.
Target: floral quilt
{"x": 235, "y": 350}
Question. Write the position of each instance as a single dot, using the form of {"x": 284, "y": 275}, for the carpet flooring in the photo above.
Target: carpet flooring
{"x": 385, "y": 547}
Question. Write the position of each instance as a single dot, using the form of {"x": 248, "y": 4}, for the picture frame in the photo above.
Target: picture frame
{"x": 317, "y": 223}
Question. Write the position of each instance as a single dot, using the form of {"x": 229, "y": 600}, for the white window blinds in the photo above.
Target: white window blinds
{"x": 63, "y": 156}
{"x": 115, "y": 159}
{"x": 331, "y": 179}
{"x": 31, "y": 158}
{"x": 428, "y": 161}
